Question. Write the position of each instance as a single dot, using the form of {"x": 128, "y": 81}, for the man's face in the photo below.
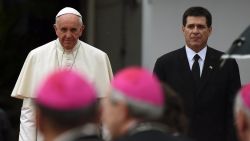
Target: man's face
{"x": 113, "y": 116}
{"x": 196, "y": 32}
{"x": 68, "y": 29}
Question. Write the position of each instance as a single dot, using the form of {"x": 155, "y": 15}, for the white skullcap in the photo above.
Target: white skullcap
{"x": 68, "y": 10}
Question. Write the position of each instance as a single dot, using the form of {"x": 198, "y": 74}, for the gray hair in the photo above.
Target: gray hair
{"x": 137, "y": 108}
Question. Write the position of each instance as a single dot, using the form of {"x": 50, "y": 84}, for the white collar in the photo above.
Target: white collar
{"x": 190, "y": 53}
{"x": 60, "y": 47}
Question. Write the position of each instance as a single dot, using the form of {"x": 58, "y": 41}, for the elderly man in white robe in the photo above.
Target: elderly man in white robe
{"x": 65, "y": 52}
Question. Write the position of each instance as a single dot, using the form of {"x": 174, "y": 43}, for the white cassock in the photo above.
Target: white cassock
{"x": 87, "y": 60}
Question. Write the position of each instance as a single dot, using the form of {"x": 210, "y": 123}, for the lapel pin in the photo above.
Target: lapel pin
{"x": 211, "y": 67}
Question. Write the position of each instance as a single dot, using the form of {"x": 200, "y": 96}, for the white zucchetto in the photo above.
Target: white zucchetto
{"x": 68, "y": 10}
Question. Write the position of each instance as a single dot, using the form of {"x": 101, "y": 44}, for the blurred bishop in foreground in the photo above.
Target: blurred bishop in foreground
{"x": 134, "y": 100}
{"x": 242, "y": 113}
{"x": 66, "y": 108}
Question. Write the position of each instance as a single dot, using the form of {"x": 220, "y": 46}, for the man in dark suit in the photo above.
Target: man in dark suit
{"x": 206, "y": 88}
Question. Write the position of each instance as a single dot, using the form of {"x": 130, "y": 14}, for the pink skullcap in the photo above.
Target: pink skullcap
{"x": 245, "y": 95}
{"x": 140, "y": 85}
{"x": 65, "y": 90}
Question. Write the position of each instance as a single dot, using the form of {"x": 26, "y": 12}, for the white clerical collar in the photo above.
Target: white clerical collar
{"x": 191, "y": 53}
{"x": 60, "y": 47}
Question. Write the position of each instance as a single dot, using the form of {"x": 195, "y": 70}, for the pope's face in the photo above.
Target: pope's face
{"x": 196, "y": 32}
{"x": 68, "y": 29}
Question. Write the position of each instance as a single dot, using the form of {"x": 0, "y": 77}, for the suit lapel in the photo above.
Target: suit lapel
{"x": 185, "y": 69}
{"x": 210, "y": 65}
{"x": 208, "y": 68}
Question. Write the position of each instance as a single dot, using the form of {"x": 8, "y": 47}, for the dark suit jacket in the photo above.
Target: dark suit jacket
{"x": 209, "y": 107}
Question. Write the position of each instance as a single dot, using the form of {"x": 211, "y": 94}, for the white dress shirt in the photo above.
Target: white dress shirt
{"x": 190, "y": 56}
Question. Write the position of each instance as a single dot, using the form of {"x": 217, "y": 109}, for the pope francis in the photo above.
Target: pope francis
{"x": 67, "y": 51}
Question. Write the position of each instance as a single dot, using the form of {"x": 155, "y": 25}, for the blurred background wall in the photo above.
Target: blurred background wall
{"x": 131, "y": 32}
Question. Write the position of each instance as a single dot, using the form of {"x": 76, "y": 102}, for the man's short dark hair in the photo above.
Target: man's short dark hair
{"x": 197, "y": 12}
